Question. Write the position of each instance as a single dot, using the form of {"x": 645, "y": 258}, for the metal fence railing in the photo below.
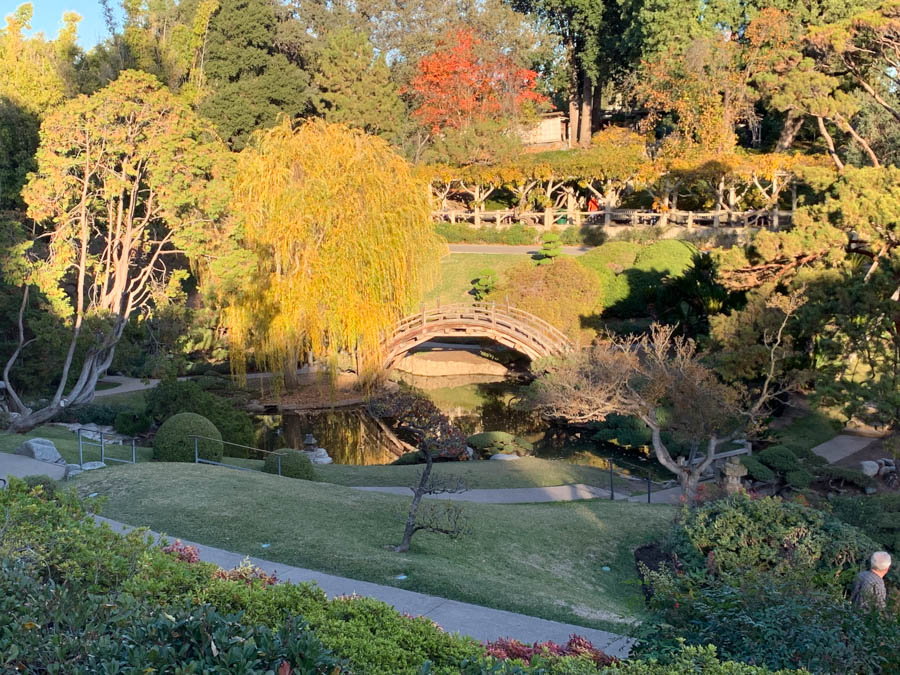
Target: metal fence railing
{"x": 83, "y": 441}
{"x": 201, "y": 460}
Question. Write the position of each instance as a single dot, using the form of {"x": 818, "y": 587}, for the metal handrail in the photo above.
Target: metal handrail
{"x": 102, "y": 445}
{"x": 200, "y": 460}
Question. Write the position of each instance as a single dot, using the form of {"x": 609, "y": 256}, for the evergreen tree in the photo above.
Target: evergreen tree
{"x": 353, "y": 87}
{"x": 250, "y": 82}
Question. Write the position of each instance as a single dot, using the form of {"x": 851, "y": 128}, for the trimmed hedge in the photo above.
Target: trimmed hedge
{"x": 489, "y": 443}
{"x": 756, "y": 469}
{"x": 173, "y": 442}
{"x": 294, "y": 464}
{"x": 779, "y": 458}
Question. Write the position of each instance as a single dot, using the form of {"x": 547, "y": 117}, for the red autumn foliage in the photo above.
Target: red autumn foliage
{"x": 183, "y": 552}
{"x": 576, "y": 646}
{"x": 466, "y": 79}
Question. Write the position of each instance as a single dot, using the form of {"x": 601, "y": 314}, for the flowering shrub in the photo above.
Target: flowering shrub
{"x": 183, "y": 552}
{"x": 248, "y": 573}
{"x": 577, "y": 645}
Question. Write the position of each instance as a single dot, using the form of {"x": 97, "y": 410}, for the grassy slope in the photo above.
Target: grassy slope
{"x": 541, "y": 559}
{"x": 526, "y": 472}
{"x": 458, "y": 270}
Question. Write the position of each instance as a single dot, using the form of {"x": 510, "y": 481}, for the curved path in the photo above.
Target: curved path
{"x": 505, "y": 249}
{"x": 481, "y": 623}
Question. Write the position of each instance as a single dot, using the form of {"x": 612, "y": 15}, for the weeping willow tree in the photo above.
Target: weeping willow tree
{"x": 342, "y": 242}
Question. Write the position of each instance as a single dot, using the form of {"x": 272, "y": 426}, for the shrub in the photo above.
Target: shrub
{"x": 848, "y": 476}
{"x": 131, "y": 423}
{"x": 170, "y": 397}
{"x": 799, "y": 478}
{"x": 47, "y": 485}
{"x": 489, "y": 443}
{"x": 770, "y": 622}
{"x": 756, "y": 469}
{"x": 564, "y": 294}
{"x": 877, "y": 515}
{"x": 506, "y": 648}
{"x": 483, "y": 284}
{"x": 778, "y": 458}
{"x": 463, "y": 233}
{"x": 62, "y": 629}
{"x": 294, "y": 464}
{"x": 102, "y": 414}
{"x": 173, "y": 442}
{"x": 732, "y": 536}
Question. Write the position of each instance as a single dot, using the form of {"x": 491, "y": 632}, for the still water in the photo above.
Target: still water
{"x": 474, "y": 403}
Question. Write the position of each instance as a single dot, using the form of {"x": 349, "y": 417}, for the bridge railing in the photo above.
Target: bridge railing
{"x": 528, "y": 325}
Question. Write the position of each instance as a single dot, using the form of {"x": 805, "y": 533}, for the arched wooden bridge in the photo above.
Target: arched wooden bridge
{"x": 509, "y": 326}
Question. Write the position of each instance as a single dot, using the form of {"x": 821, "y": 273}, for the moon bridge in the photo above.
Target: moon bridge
{"x": 512, "y": 327}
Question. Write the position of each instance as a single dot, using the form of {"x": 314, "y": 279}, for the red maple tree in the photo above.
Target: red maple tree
{"x": 466, "y": 79}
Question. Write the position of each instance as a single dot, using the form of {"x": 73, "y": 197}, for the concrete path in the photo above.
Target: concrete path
{"x": 20, "y": 466}
{"x": 503, "y": 249}
{"x": 841, "y": 446}
{"x": 558, "y": 493}
{"x": 481, "y": 623}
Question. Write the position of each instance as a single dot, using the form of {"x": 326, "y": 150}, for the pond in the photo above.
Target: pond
{"x": 474, "y": 403}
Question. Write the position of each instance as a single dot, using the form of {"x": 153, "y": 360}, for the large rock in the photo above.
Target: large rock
{"x": 869, "y": 468}
{"x": 91, "y": 466}
{"x": 504, "y": 458}
{"x": 40, "y": 449}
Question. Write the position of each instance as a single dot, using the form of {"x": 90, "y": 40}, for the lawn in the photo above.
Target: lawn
{"x": 526, "y": 472}
{"x": 458, "y": 270}
{"x": 67, "y": 444}
{"x": 545, "y": 560}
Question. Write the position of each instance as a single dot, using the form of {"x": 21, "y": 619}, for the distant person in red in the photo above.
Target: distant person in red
{"x": 593, "y": 204}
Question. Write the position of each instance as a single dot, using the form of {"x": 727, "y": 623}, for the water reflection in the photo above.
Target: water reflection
{"x": 351, "y": 436}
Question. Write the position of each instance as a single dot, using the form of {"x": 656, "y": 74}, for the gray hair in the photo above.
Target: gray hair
{"x": 880, "y": 560}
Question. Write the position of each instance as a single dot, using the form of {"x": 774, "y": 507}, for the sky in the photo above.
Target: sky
{"x": 48, "y": 17}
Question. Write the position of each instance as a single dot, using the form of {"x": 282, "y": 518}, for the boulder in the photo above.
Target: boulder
{"x": 504, "y": 458}
{"x": 869, "y": 468}
{"x": 90, "y": 466}
{"x": 73, "y": 470}
{"x": 40, "y": 449}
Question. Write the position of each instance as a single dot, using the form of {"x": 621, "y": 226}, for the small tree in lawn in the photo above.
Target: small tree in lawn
{"x": 483, "y": 284}
{"x": 551, "y": 248}
{"x": 660, "y": 379}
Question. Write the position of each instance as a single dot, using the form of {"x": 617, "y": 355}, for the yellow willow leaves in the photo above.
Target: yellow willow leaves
{"x": 343, "y": 240}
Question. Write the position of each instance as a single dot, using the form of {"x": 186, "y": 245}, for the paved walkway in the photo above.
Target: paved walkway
{"x": 841, "y": 446}
{"x": 557, "y": 493}
{"x": 21, "y": 466}
{"x": 504, "y": 249}
{"x": 481, "y": 623}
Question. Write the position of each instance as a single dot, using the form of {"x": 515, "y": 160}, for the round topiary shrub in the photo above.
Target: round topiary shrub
{"x": 294, "y": 464}
{"x": 489, "y": 443}
{"x": 756, "y": 469}
{"x": 799, "y": 478}
{"x": 174, "y": 442}
{"x": 779, "y": 458}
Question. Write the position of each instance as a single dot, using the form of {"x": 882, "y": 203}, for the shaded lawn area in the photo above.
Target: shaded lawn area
{"x": 458, "y": 269}
{"x": 67, "y": 444}
{"x": 543, "y": 559}
{"x": 484, "y": 474}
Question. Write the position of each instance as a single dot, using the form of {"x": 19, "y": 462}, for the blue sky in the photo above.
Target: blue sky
{"x": 48, "y": 17}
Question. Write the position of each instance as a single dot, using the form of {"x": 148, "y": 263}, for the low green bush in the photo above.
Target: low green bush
{"x": 294, "y": 464}
{"x": 489, "y": 443}
{"x": 171, "y": 396}
{"x": 736, "y": 535}
{"x": 103, "y": 414}
{"x": 174, "y": 443}
{"x": 779, "y": 458}
{"x": 45, "y": 627}
{"x": 672, "y": 257}
{"x": 131, "y": 423}
{"x": 462, "y": 233}
{"x": 877, "y": 515}
{"x": 847, "y": 476}
{"x": 47, "y": 485}
{"x": 767, "y": 621}
{"x": 799, "y": 478}
{"x": 756, "y": 469}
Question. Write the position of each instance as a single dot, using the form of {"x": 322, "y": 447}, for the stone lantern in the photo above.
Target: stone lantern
{"x": 732, "y": 473}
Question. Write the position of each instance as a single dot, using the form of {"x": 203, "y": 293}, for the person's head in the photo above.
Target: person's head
{"x": 880, "y": 562}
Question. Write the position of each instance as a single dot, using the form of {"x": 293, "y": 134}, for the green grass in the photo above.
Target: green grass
{"x": 539, "y": 559}
{"x": 480, "y": 475}
{"x": 67, "y": 444}
{"x": 128, "y": 399}
{"x": 808, "y": 432}
{"x": 458, "y": 270}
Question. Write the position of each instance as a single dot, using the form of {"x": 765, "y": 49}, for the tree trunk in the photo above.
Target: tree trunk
{"x": 418, "y": 493}
{"x": 596, "y": 108}
{"x": 587, "y": 100}
{"x": 574, "y": 73}
{"x": 792, "y": 124}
